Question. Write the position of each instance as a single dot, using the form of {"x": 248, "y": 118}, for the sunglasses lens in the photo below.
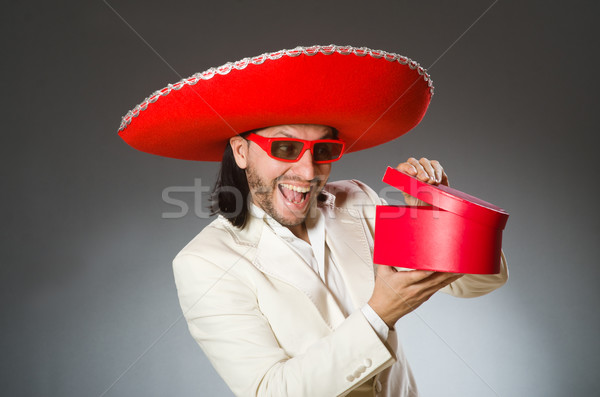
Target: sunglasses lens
{"x": 286, "y": 150}
{"x": 326, "y": 151}
{"x": 291, "y": 150}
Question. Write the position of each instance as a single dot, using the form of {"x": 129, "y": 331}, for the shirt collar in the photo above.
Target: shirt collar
{"x": 314, "y": 224}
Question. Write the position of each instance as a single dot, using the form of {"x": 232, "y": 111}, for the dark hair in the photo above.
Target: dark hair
{"x": 230, "y": 196}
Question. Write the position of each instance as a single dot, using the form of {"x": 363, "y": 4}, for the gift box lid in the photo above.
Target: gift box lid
{"x": 448, "y": 199}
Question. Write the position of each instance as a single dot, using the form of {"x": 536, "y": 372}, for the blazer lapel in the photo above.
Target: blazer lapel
{"x": 275, "y": 258}
{"x": 349, "y": 245}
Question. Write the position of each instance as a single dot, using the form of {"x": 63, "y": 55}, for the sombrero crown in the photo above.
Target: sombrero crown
{"x": 369, "y": 96}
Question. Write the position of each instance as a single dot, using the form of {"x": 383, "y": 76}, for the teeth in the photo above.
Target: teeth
{"x": 296, "y": 188}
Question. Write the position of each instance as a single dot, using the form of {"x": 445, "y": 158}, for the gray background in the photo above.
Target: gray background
{"x": 87, "y": 292}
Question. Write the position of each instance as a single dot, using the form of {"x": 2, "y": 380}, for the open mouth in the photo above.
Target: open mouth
{"x": 294, "y": 194}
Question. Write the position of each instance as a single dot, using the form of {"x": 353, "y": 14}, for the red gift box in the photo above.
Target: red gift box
{"x": 458, "y": 233}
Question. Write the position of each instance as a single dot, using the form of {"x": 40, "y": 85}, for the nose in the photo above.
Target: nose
{"x": 305, "y": 167}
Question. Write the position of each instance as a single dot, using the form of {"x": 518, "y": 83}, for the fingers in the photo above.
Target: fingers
{"x": 428, "y": 174}
{"x": 412, "y": 276}
{"x": 407, "y": 168}
{"x": 430, "y": 171}
{"x": 424, "y": 169}
{"x": 384, "y": 270}
{"x": 440, "y": 174}
{"x": 438, "y": 171}
{"x": 430, "y": 278}
{"x": 415, "y": 276}
{"x": 439, "y": 281}
{"x": 445, "y": 181}
{"x": 440, "y": 277}
{"x": 425, "y": 278}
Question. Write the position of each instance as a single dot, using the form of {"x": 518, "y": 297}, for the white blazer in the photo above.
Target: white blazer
{"x": 267, "y": 322}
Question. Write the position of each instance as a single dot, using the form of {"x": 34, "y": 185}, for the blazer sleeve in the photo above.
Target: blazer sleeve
{"x": 224, "y": 317}
{"x": 474, "y": 285}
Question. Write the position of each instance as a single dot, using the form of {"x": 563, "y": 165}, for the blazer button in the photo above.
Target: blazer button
{"x": 362, "y": 368}
{"x": 368, "y": 362}
{"x": 350, "y": 378}
{"x": 357, "y": 374}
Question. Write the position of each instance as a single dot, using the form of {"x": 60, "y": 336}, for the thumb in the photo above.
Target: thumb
{"x": 385, "y": 270}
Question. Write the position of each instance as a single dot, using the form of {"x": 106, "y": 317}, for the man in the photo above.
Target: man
{"x": 280, "y": 291}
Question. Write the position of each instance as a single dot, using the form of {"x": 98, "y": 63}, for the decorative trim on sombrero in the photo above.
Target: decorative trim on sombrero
{"x": 257, "y": 60}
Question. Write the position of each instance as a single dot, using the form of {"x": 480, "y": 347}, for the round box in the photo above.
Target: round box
{"x": 458, "y": 233}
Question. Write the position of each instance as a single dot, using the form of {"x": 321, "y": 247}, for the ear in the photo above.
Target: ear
{"x": 240, "y": 151}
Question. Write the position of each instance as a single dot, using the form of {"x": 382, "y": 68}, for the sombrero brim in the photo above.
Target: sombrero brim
{"x": 370, "y": 97}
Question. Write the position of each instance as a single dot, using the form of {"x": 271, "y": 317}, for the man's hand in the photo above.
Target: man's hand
{"x": 425, "y": 170}
{"x": 398, "y": 293}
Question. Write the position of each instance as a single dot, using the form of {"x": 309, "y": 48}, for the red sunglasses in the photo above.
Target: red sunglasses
{"x": 291, "y": 149}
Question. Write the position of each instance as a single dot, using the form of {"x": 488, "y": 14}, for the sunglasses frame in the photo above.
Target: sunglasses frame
{"x": 265, "y": 144}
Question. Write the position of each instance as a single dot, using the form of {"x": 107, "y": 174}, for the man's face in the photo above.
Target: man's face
{"x": 286, "y": 191}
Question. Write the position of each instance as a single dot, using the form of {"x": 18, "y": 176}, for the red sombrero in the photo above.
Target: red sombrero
{"x": 369, "y": 96}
